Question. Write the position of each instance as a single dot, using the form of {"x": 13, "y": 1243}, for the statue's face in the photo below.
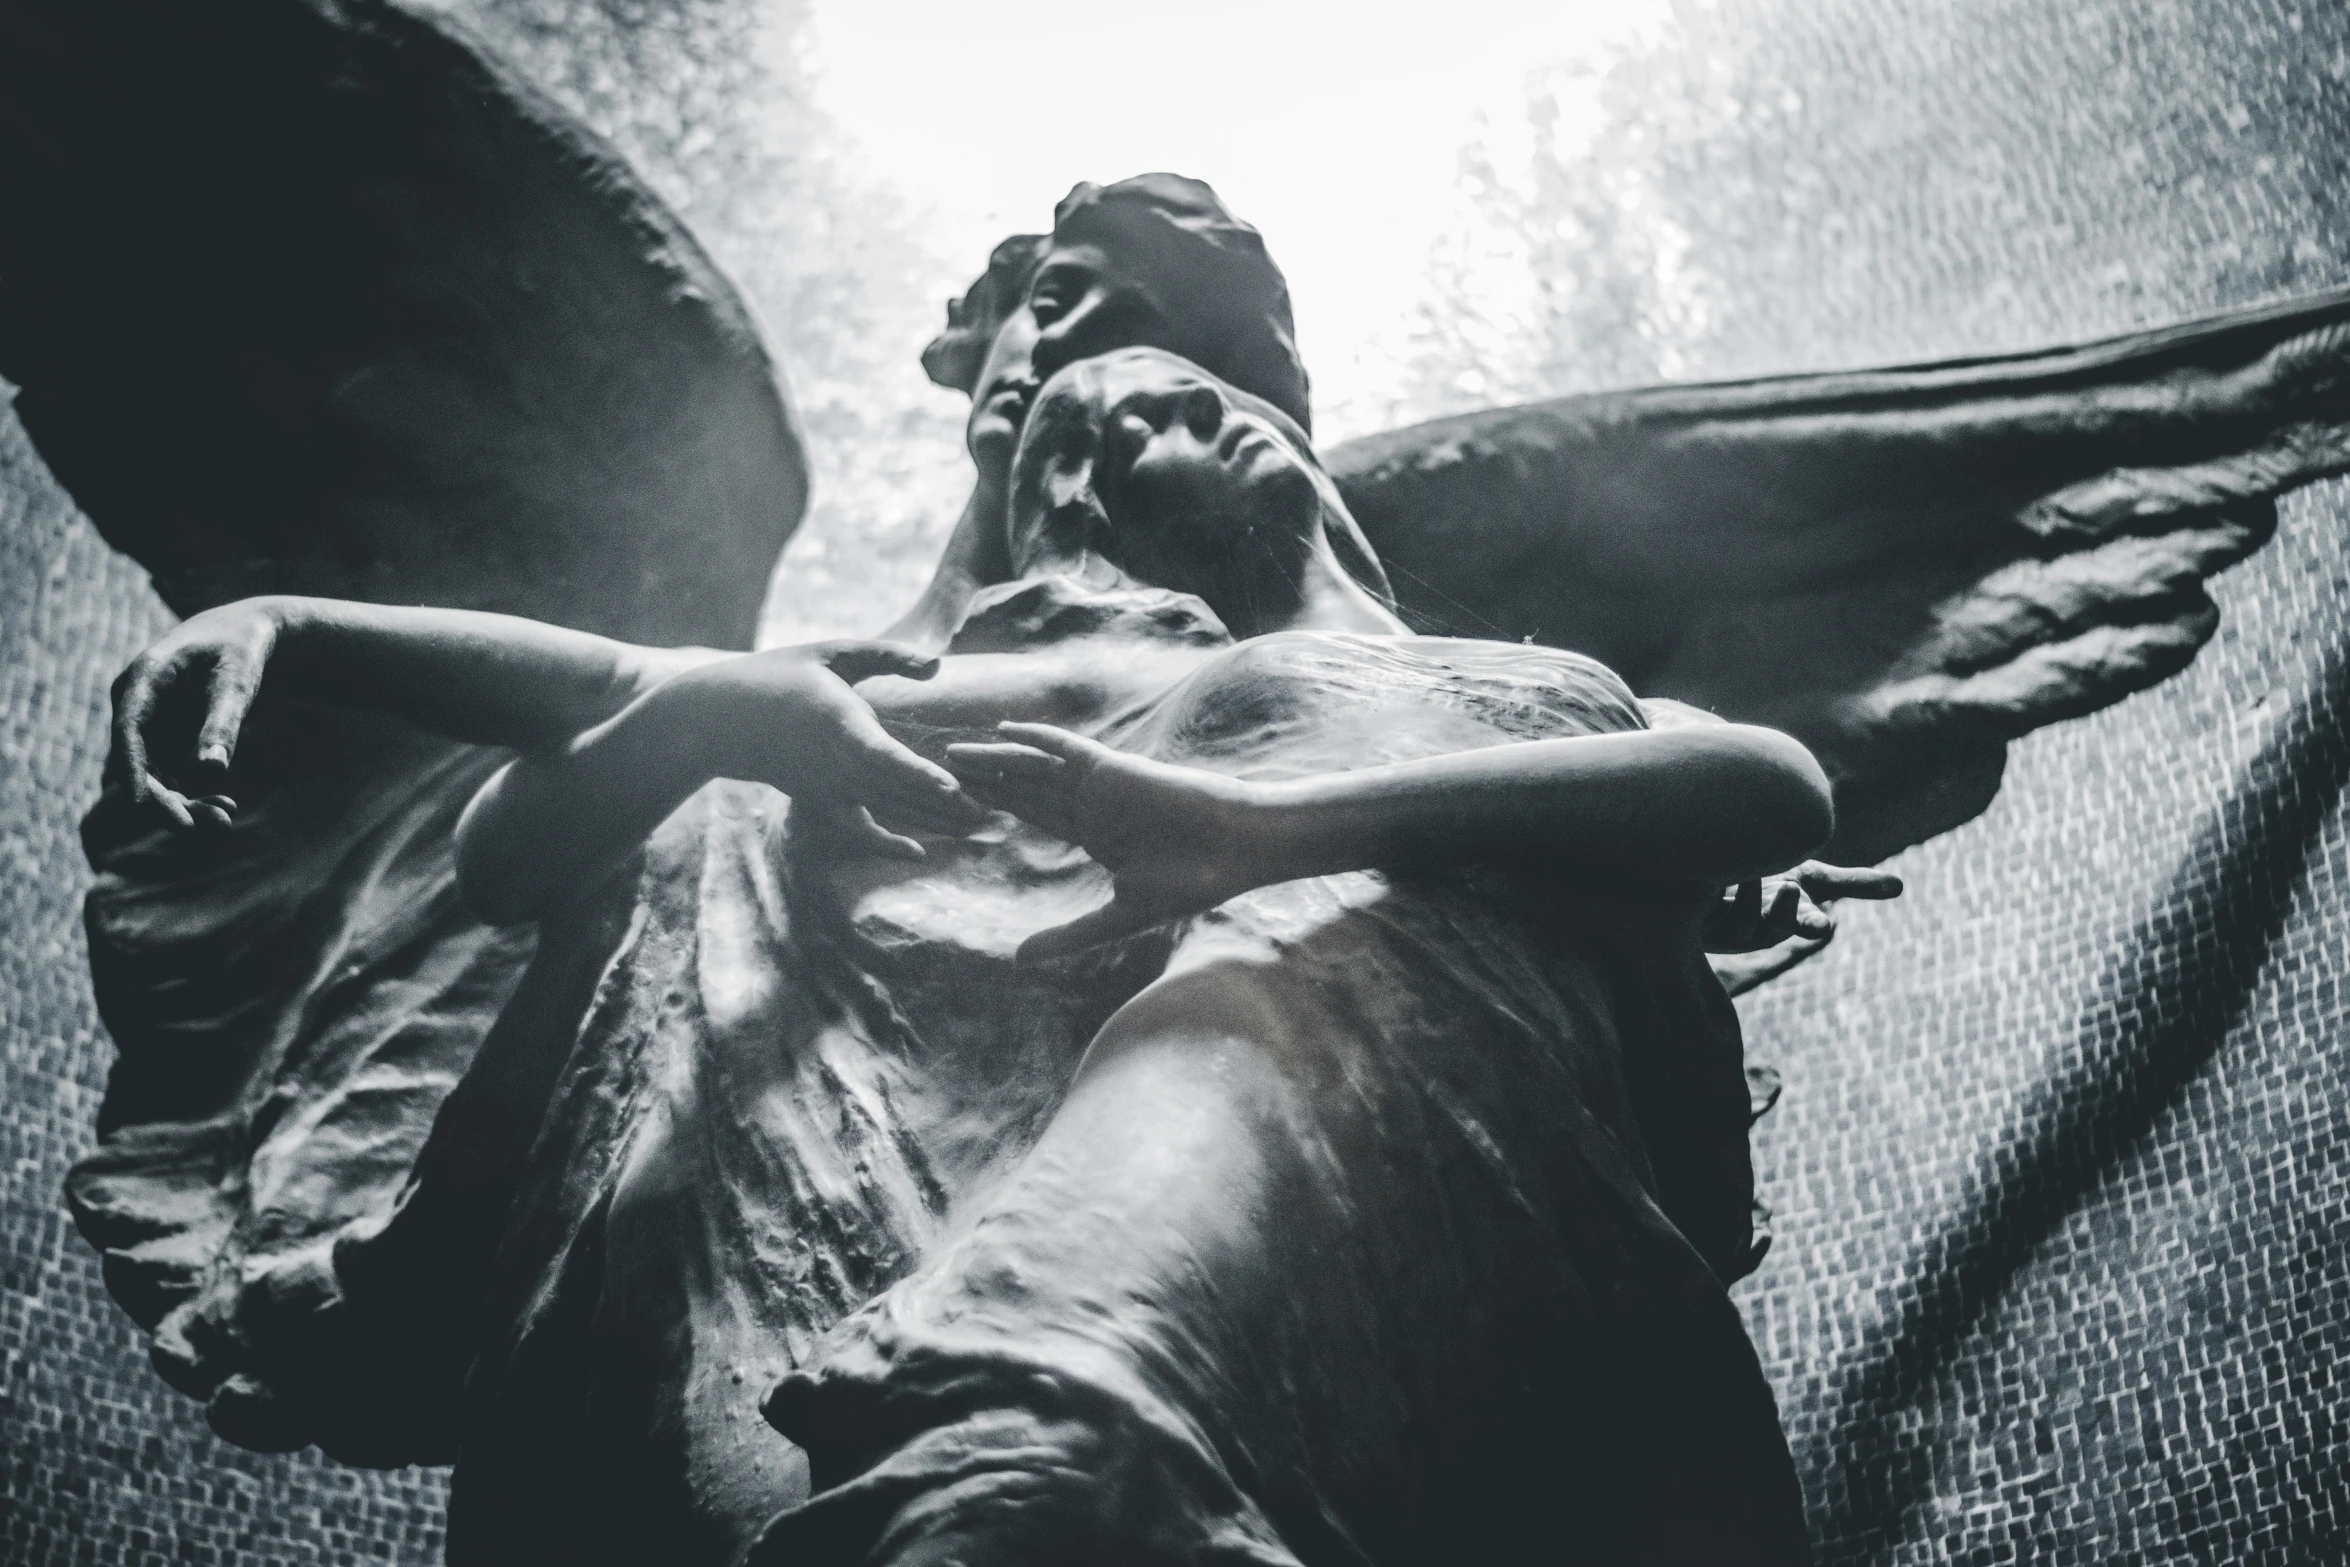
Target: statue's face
{"x": 1083, "y": 301}
{"x": 1198, "y": 490}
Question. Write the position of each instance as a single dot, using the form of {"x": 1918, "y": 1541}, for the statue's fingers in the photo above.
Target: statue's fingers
{"x": 1055, "y": 741}
{"x": 993, "y": 753}
{"x": 228, "y": 697}
{"x": 884, "y": 781}
{"x": 881, "y": 754}
{"x": 853, "y": 827}
{"x": 909, "y": 826}
{"x": 1741, "y": 972}
{"x": 868, "y": 833}
{"x": 134, "y": 703}
{"x": 1034, "y": 769}
{"x": 1781, "y": 916}
{"x": 983, "y": 790}
{"x": 950, "y": 816}
{"x": 854, "y": 661}
{"x": 1826, "y": 882}
{"x": 1813, "y": 921}
{"x": 1043, "y": 803}
{"x": 1016, "y": 768}
{"x": 167, "y": 800}
{"x": 1107, "y": 923}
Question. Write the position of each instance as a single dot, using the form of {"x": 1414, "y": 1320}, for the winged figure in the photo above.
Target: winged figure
{"x": 552, "y": 1038}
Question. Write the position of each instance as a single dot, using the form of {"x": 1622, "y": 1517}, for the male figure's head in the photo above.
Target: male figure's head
{"x": 1155, "y": 261}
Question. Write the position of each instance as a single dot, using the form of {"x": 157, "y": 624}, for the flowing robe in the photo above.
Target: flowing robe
{"x": 1396, "y": 1225}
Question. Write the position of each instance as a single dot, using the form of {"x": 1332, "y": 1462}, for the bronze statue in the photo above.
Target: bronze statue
{"x": 1357, "y": 1167}
{"x": 1130, "y": 1192}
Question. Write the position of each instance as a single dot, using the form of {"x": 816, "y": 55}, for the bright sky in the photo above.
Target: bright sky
{"x": 1337, "y": 129}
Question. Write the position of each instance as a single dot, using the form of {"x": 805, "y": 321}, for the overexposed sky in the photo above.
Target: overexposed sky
{"x": 1339, "y": 131}
{"x": 1336, "y": 129}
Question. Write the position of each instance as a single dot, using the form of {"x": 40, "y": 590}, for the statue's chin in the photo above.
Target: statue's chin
{"x": 991, "y": 440}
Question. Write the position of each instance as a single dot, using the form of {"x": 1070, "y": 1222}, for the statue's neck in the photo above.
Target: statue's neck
{"x": 1327, "y": 599}
{"x": 1309, "y": 592}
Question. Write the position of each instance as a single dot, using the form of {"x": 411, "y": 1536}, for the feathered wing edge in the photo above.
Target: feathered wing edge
{"x": 1905, "y": 568}
{"x": 315, "y": 297}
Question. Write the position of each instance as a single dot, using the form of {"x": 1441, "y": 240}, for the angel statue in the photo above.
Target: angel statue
{"x": 1164, "y": 1057}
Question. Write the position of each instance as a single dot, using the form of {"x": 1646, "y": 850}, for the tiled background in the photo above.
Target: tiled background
{"x": 2060, "y": 1172}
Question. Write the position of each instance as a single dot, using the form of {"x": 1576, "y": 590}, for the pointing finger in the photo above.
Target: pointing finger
{"x": 1825, "y": 882}
{"x": 229, "y": 694}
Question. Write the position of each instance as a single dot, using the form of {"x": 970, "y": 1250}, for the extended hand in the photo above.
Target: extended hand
{"x": 787, "y": 717}
{"x": 1766, "y": 927}
{"x": 1170, "y": 837}
{"x": 179, "y": 708}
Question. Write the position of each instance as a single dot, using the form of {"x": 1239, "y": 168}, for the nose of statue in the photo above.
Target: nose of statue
{"x": 1203, "y": 410}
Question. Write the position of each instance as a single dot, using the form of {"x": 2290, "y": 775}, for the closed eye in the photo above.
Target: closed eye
{"x": 1056, "y": 293}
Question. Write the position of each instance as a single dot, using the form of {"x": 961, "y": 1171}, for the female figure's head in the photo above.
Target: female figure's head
{"x": 1143, "y": 464}
{"x": 1154, "y": 261}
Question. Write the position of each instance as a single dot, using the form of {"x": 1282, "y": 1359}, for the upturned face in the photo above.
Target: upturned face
{"x": 1082, "y": 301}
{"x": 1146, "y": 462}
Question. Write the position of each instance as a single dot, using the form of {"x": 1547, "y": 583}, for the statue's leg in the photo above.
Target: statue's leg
{"x": 1255, "y": 1297}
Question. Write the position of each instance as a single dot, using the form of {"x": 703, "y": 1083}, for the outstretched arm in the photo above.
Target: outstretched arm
{"x": 612, "y": 736}
{"x": 492, "y": 679}
{"x": 1712, "y": 805}
{"x": 551, "y": 825}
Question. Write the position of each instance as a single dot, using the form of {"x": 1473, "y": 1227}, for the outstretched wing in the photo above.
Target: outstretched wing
{"x": 1905, "y": 568}
{"x": 310, "y": 296}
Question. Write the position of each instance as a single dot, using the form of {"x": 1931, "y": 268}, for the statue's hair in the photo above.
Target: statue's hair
{"x": 1214, "y": 280}
{"x": 1055, "y": 472}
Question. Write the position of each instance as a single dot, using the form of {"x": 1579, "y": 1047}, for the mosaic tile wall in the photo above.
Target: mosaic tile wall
{"x": 2060, "y": 1173}
{"x": 2062, "y": 1170}
{"x": 105, "y": 1464}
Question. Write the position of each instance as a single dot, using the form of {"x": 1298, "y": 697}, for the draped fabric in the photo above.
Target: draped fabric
{"x": 1467, "y": 1229}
